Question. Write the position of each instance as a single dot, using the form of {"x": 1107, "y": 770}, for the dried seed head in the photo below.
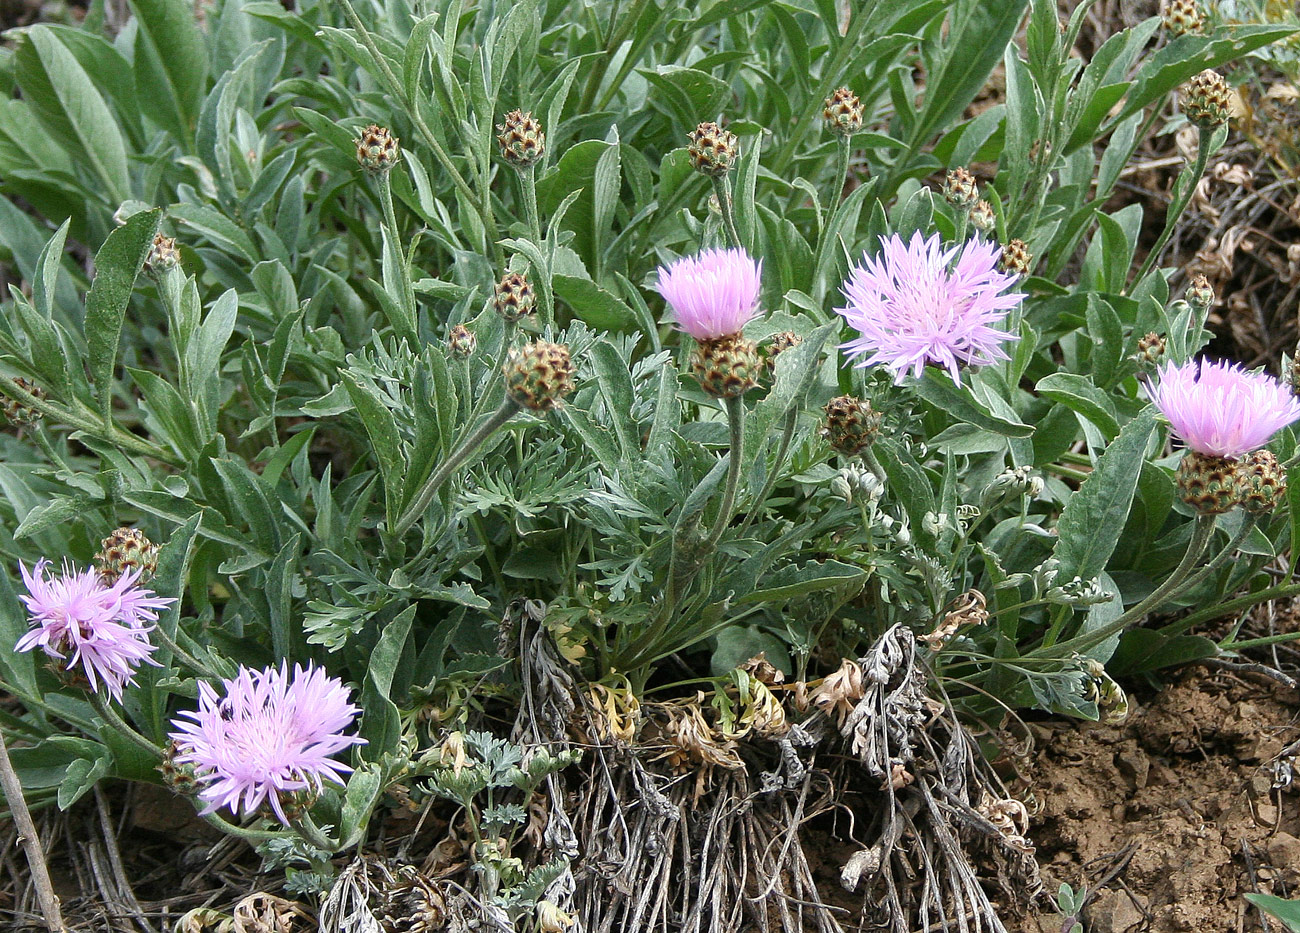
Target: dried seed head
{"x": 513, "y": 297}
{"x": 1207, "y": 100}
{"x": 1208, "y": 484}
{"x": 713, "y": 150}
{"x": 1017, "y": 258}
{"x": 414, "y": 904}
{"x": 522, "y": 141}
{"x": 377, "y": 149}
{"x": 461, "y": 342}
{"x": 983, "y": 218}
{"x": 1261, "y": 482}
{"x": 960, "y": 190}
{"x": 843, "y": 112}
{"x": 851, "y": 424}
{"x": 1199, "y": 293}
{"x": 728, "y": 366}
{"x": 162, "y": 256}
{"x": 539, "y": 374}
{"x": 1181, "y": 17}
{"x": 17, "y": 412}
{"x": 126, "y": 549}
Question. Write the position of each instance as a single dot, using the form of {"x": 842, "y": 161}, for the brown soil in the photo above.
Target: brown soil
{"x": 1171, "y": 817}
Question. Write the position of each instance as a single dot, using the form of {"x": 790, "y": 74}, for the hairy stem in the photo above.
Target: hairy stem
{"x": 1176, "y": 209}
{"x": 454, "y": 459}
{"x": 736, "y": 418}
{"x": 406, "y": 300}
{"x": 112, "y": 719}
{"x": 722, "y": 188}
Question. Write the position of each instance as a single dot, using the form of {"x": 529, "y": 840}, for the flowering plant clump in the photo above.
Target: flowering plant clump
{"x": 269, "y": 734}
{"x": 104, "y": 627}
{"x": 1221, "y": 410}
{"x": 919, "y": 303}
{"x": 713, "y": 294}
{"x": 483, "y": 470}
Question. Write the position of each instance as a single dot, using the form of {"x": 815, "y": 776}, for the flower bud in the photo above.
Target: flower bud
{"x": 461, "y": 342}
{"x": 1182, "y": 17}
{"x": 960, "y": 190}
{"x": 713, "y": 150}
{"x": 522, "y": 141}
{"x": 1208, "y": 484}
{"x": 843, "y": 112}
{"x": 1199, "y": 293}
{"x": 17, "y": 412}
{"x": 1017, "y": 258}
{"x": 1207, "y": 100}
{"x": 179, "y": 776}
{"x": 781, "y": 342}
{"x": 851, "y": 425}
{"x": 983, "y": 218}
{"x": 513, "y": 297}
{"x": 1261, "y": 482}
{"x": 162, "y": 256}
{"x": 539, "y": 374}
{"x": 377, "y": 149}
{"x": 728, "y": 366}
{"x": 124, "y": 550}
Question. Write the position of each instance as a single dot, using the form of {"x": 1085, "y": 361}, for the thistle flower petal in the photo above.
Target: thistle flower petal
{"x": 1219, "y": 409}
{"x": 271, "y": 734}
{"x": 104, "y": 626}
{"x": 713, "y": 294}
{"x": 917, "y": 303}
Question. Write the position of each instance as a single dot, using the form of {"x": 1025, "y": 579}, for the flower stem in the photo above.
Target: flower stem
{"x": 182, "y": 655}
{"x": 406, "y": 327}
{"x": 30, "y": 840}
{"x": 241, "y": 832}
{"x": 111, "y": 718}
{"x": 722, "y": 187}
{"x": 1176, "y": 209}
{"x": 454, "y": 459}
{"x": 306, "y": 827}
{"x": 1201, "y": 535}
{"x": 528, "y": 181}
{"x": 736, "y": 418}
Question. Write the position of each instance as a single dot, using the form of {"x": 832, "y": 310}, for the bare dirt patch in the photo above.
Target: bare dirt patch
{"x": 1174, "y": 815}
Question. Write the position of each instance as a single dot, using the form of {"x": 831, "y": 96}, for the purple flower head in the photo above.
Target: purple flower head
{"x": 271, "y": 734}
{"x": 105, "y": 627}
{"x": 1219, "y": 409}
{"x": 714, "y": 294}
{"x": 913, "y": 305}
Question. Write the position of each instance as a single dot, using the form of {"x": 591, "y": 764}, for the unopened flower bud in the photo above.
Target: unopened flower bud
{"x": 713, "y": 150}
{"x": 124, "y": 550}
{"x": 522, "y": 141}
{"x": 781, "y": 342}
{"x": 162, "y": 256}
{"x": 851, "y": 425}
{"x": 377, "y": 149}
{"x": 841, "y": 488}
{"x": 983, "y": 218}
{"x": 539, "y": 374}
{"x": 960, "y": 190}
{"x": 1208, "y": 484}
{"x": 1150, "y": 351}
{"x": 843, "y": 112}
{"x": 179, "y": 776}
{"x": 17, "y": 412}
{"x": 461, "y": 342}
{"x": 1199, "y": 293}
{"x": 513, "y": 297}
{"x": 1017, "y": 258}
{"x": 728, "y": 366}
{"x": 1182, "y": 17}
{"x": 1261, "y": 482}
{"x": 1207, "y": 100}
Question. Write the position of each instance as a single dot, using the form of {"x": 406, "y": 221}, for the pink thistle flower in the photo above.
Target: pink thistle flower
{"x": 270, "y": 735}
{"x": 913, "y": 305}
{"x": 104, "y": 626}
{"x": 1219, "y": 409}
{"x": 714, "y": 294}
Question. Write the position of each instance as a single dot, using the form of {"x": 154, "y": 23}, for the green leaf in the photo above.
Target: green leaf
{"x": 1143, "y": 649}
{"x": 117, "y": 264}
{"x": 381, "y": 426}
{"x": 615, "y": 383}
{"x": 592, "y": 304}
{"x": 382, "y": 723}
{"x": 1094, "y": 518}
{"x": 81, "y": 776}
{"x": 171, "y": 64}
{"x": 796, "y": 581}
{"x": 1082, "y": 397}
{"x": 1288, "y": 911}
{"x": 937, "y": 388}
